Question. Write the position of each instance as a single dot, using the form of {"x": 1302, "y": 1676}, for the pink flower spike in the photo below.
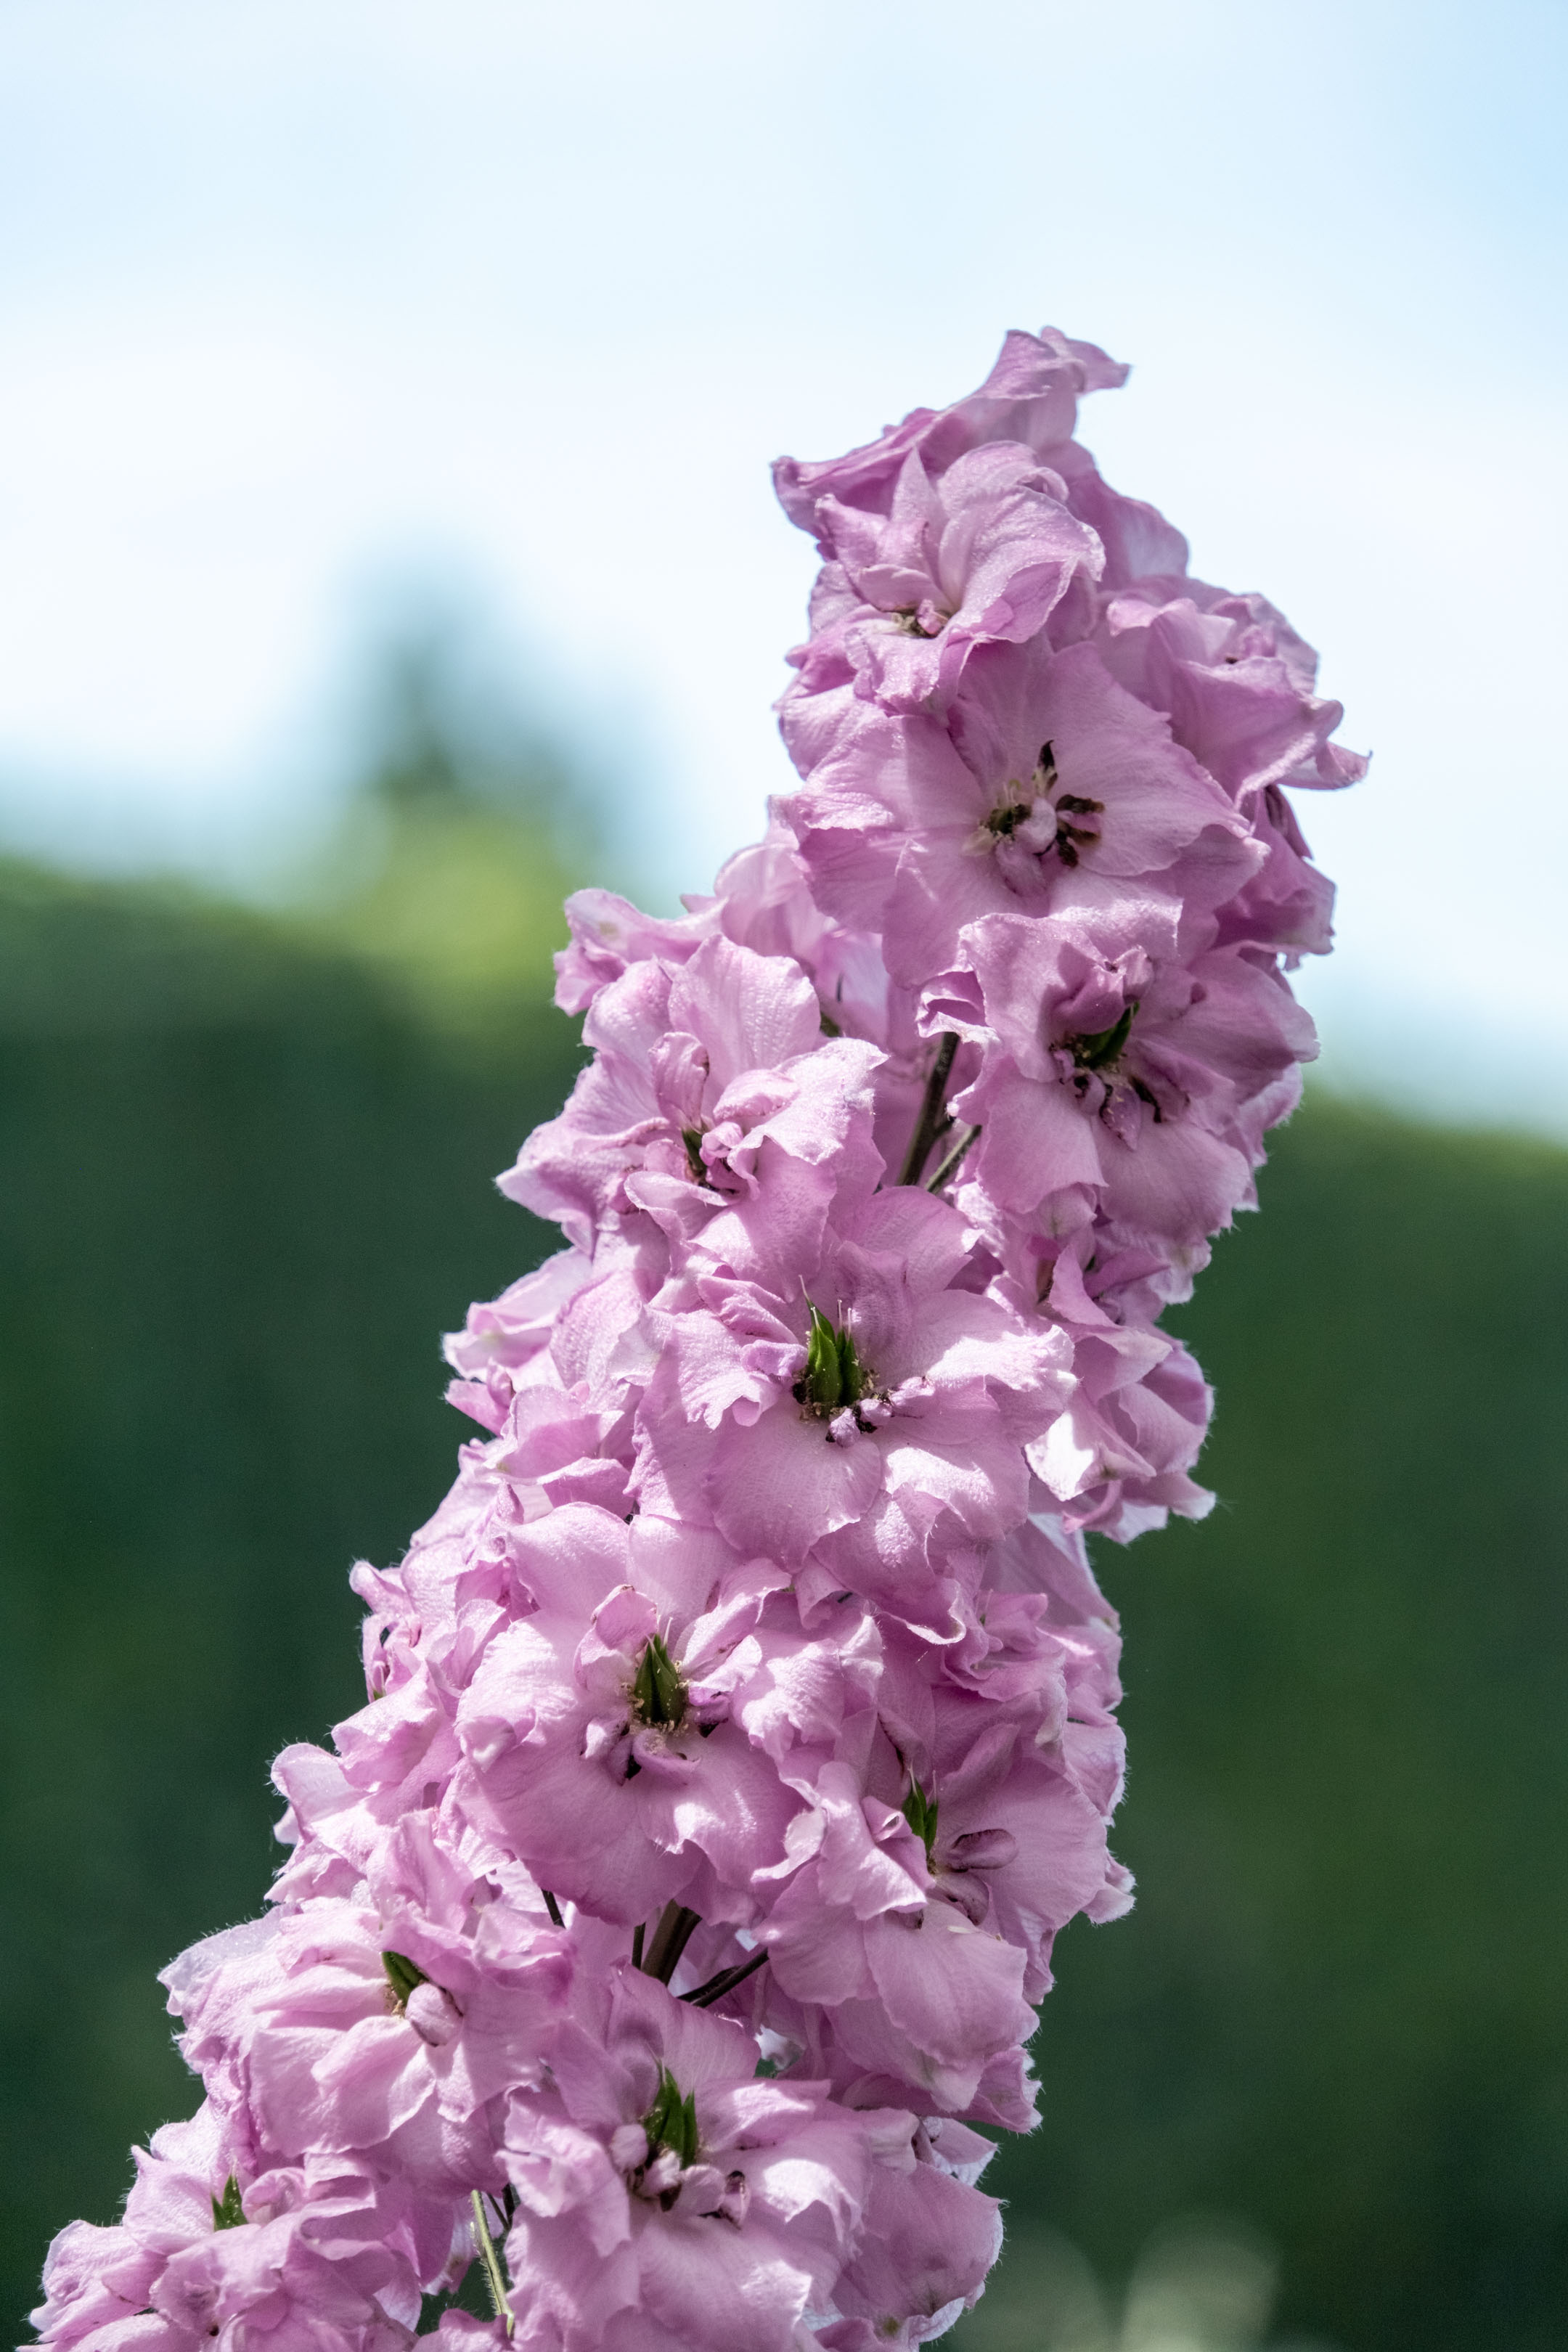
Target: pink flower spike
{"x": 657, "y": 1940}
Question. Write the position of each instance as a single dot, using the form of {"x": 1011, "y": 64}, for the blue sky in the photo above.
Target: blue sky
{"x": 303, "y": 299}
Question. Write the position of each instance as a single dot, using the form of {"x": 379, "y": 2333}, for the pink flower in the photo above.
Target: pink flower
{"x": 1031, "y": 396}
{"x": 1121, "y": 1078}
{"x": 307, "y": 2257}
{"x": 621, "y": 1739}
{"x": 668, "y": 2200}
{"x": 741, "y": 1729}
{"x": 1235, "y": 678}
{"x": 823, "y": 1384}
{"x": 609, "y": 934}
{"x": 699, "y": 1070}
{"x": 382, "y": 2036}
{"x": 987, "y": 552}
{"x": 917, "y": 1993}
{"x": 927, "y": 2244}
{"x": 1047, "y": 787}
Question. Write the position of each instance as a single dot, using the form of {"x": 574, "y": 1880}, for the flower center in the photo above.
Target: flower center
{"x": 671, "y": 2122}
{"x": 1029, "y": 811}
{"x": 659, "y": 1687}
{"x": 834, "y": 1375}
{"x": 1100, "y": 1049}
{"x": 401, "y": 1976}
{"x": 692, "y": 1139}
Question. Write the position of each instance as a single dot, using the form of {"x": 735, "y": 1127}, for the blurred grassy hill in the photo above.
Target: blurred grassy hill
{"x": 244, "y": 1169}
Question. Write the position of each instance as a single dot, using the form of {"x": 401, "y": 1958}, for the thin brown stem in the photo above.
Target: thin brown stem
{"x": 675, "y": 1930}
{"x": 725, "y": 1982}
{"x": 954, "y": 1160}
{"x": 932, "y": 1107}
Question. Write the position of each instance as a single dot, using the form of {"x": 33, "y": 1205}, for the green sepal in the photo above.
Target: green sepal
{"x": 402, "y": 1975}
{"x": 921, "y": 1810}
{"x": 672, "y": 2121}
{"x": 658, "y": 1690}
{"x": 227, "y": 2212}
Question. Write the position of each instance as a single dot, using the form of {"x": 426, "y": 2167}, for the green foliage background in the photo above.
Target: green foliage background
{"x": 1338, "y": 2008}
{"x": 244, "y": 1173}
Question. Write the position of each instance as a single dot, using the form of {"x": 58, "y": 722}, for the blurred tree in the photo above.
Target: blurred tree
{"x": 464, "y": 829}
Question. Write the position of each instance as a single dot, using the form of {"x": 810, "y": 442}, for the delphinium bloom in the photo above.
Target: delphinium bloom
{"x": 741, "y": 1731}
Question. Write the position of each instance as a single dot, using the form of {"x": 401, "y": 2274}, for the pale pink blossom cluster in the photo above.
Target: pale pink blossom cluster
{"x": 741, "y": 1729}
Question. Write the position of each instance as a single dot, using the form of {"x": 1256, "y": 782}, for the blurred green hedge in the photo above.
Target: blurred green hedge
{"x": 243, "y": 1190}
{"x": 1338, "y": 2008}
{"x": 245, "y": 1186}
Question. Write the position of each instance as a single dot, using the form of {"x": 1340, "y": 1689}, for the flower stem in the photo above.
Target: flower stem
{"x": 674, "y": 1932}
{"x": 930, "y": 1119}
{"x": 495, "y": 2278}
{"x": 954, "y": 1160}
{"x": 725, "y": 1982}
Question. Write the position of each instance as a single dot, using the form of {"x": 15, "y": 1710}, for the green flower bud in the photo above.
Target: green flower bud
{"x": 1101, "y": 1048}
{"x": 402, "y": 1975}
{"x": 919, "y": 1811}
{"x": 658, "y": 1690}
{"x": 672, "y": 2121}
{"x": 227, "y": 2212}
{"x": 834, "y": 1374}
